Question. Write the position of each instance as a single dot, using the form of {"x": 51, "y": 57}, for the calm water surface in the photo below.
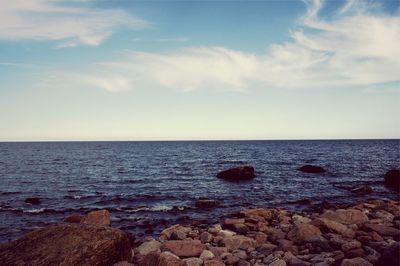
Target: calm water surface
{"x": 157, "y": 183}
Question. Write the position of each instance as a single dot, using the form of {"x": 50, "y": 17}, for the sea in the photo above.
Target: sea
{"x": 149, "y": 185}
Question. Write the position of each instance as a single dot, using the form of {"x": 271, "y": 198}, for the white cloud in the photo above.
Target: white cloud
{"x": 71, "y": 25}
{"x": 355, "y": 47}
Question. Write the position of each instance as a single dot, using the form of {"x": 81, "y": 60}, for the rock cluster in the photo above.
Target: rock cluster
{"x": 364, "y": 234}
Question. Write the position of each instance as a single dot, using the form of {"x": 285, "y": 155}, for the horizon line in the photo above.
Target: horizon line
{"x": 194, "y": 140}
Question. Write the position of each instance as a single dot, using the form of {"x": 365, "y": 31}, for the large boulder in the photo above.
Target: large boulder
{"x": 68, "y": 244}
{"x": 184, "y": 248}
{"x": 304, "y": 233}
{"x": 98, "y": 218}
{"x": 238, "y": 242}
{"x": 308, "y": 168}
{"x": 245, "y": 172}
{"x": 33, "y": 201}
{"x": 392, "y": 179}
{"x": 346, "y": 216}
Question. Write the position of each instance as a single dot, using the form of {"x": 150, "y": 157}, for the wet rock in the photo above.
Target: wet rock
{"x": 33, "y": 201}
{"x": 76, "y": 218}
{"x": 303, "y": 233}
{"x": 206, "y": 203}
{"x": 193, "y": 262}
{"x": 245, "y": 172}
{"x": 356, "y": 262}
{"x": 362, "y": 190}
{"x": 311, "y": 169}
{"x": 238, "y": 242}
{"x": 392, "y": 179}
{"x": 161, "y": 259}
{"x": 98, "y": 218}
{"x": 346, "y": 216}
{"x": 260, "y": 212}
{"x": 147, "y": 247}
{"x": 68, "y": 244}
{"x": 278, "y": 263}
{"x": 184, "y": 248}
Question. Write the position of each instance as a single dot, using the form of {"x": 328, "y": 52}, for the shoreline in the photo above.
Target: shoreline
{"x": 362, "y": 234}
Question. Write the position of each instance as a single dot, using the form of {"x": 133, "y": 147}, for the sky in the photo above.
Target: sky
{"x": 183, "y": 70}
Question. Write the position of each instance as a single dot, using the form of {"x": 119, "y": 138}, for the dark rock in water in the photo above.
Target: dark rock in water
{"x": 68, "y": 244}
{"x": 245, "y": 172}
{"x": 33, "y": 201}
{"x": 308, "y": 168}
{"x": 361, "y": 190}
{"x": 392, "y": 179}
{"x": 75, "y": 218}
{"x": 206, "y": 203}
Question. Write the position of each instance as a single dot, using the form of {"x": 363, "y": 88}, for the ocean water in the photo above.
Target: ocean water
{"x": 149, "y": 185}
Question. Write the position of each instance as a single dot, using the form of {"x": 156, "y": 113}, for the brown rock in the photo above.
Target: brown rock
{"x": 68, "y": 244}
{"x": 230, "y": 221}
{"x": 193, "y": 262}
{"x": 303, "y": 232}
{"x": 166, "y": 233}
{"x": 213, "y": 263}
{"x": 206, "y": 203}
{"x": 265, "y": 213}
{"x": 206, "y": 237}
{"x": 349, "y": 216}
{"x": 218, "y": 251}
{"x": 184, "y": 248}
{"x": 329, "y": 226}
{"x": 161, "y": 259}
{"x": 123, "y": 263}
{"x": 76, "y": 218}
{"x": 358, "y": 252}
{"x": 383, "y": 230}
{"x": 355, "y": 262}
{"x": 238, "y": 242}
{"x": 147, "y": 247}
{"x": 98, "y": 218}
{"x": 353, "y": 244}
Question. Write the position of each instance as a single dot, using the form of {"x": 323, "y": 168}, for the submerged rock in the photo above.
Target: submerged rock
{"x": 245, "y": 172}
{"x": 33, "y": 201}
{"x": 392, "y": 179}
{"x": 308, "y": 168}
{"x": 68, "y": 244}
{"x": 206, "y": 203}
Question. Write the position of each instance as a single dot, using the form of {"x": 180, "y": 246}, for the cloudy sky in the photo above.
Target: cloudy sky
{"x": 154, "y": 70}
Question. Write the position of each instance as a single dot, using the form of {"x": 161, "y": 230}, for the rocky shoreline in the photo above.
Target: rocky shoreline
{"x": 363, "y": 234}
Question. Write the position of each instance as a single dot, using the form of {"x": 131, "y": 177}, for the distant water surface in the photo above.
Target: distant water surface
{"x": 148, "y": 185}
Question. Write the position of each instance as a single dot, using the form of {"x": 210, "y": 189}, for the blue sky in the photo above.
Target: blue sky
{"x": 154, "y": 70}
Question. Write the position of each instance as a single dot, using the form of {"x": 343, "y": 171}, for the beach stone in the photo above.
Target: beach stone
{"x": 311, "y": 169}
{"x": 33, "y": 201}
{"x": 238, "y": 242}
{"x": 193, "y": 262}
{"x": 355, "y": 262}
{"x": 75, "y": 218}
{"x": 329, "y": 226}
{"x": 278, "y": 263}
{"x": 384, "y": 215}
{"x": 215, "y": 229}
{"x": 260, "y": 238}
{"x": 98, "y": 218}
{"x": 226, "y": 233}
{"x": 166, "y": 233}
{"x": 218, "y": 251}
{"x": 184, "y": 248}
{"x": 231, "y": 221}
{"x": 161, "y": 259}
{"x": 293, "y": 260}
{"x": 68, "y": 244}
{"x": 392, "y": 179}
{"x": 213, "y": 263}
{"x": 346, "y": 216}
{"x": 384, "y": 230}
{"x": 123, "y": 263}
{"x": 303, "y": 232}
{"x": 245, "y": 172}
{"x": 298, "y": 219}
{"x": 275, "y": 234}
{"x": 206, "y": 203}
{"x": 372, "y": 256}
{"x": 177, "y": 235}
{"x": 354, "y": 253}
{"x": 240, "y": 228}
{"x": 231, "y": 259}
{"x": 148, "y": 247}
{"x": 353, "y": 244}
{"x": 266, "y": 249}
{"x": 243, "y": 263}
{"x": 207, "y": 255}
{"x": 206, "y": 237}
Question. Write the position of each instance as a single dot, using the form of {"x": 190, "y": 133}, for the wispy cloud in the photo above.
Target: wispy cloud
{"x": 357, "y": 46}
{"x": 71, "y": 25}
